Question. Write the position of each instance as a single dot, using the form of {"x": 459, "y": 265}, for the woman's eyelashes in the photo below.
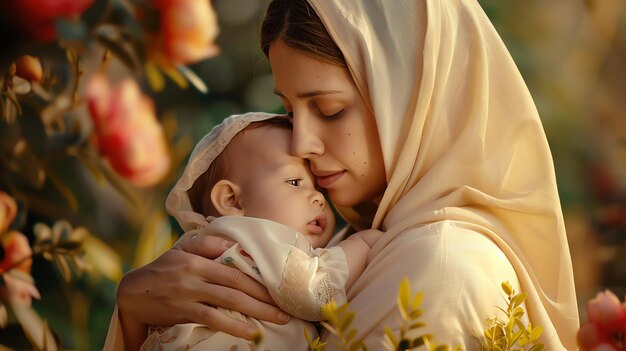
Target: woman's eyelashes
{"x": 331, "y": 116}
{"x": 326, "y": 116}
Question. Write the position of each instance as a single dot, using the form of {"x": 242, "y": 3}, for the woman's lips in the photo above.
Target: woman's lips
{"x": 325, "y": 180}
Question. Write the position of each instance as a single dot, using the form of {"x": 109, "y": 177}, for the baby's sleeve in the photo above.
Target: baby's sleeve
{"x": 300, "y": 279}
{"x": 310, "y": 281}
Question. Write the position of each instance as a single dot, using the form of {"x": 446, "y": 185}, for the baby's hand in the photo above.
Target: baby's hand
{"x": 370, "y": 236}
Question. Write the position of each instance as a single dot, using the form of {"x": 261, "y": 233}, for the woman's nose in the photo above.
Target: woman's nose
{"x": 305, "y": 142}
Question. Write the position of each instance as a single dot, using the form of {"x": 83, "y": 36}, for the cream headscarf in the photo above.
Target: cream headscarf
{"x": 461, "y": 140}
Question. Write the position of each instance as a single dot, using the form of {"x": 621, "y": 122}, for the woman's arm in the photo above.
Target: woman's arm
{"x": 356, "y": 248}
{"x": 183, "y": 284}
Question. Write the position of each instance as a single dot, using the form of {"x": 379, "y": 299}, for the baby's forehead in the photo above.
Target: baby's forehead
{"x": 265, "y": 143}
{"x": 269, "y": 147}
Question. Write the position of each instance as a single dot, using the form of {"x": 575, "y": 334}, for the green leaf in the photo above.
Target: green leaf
{"x": 506, "y": 287}
{"x": 536, "y": 333}
{"x": 518, "y": 312}
{"x": 404, "y": 295}
{"x": 415, "y": 314}
{"x": 489, "y": 334}
{"x": 417, "y": 301}
{"x": 351, "y": 334}
{"x": 346, "y": 321}
{"x": 538, "y": 347}
{"x": 518, "y": 299}
{"x": 176, "y": 76}
{"x": 416, "y": 325}
{"x": 154, "y": 77}
{"x": 515, "y": 337}
{"x": 389, "y": 334}
{"x": 341, "y": 309}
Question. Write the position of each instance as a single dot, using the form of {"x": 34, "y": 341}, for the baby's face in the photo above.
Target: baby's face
{"x": 280, "y": 187}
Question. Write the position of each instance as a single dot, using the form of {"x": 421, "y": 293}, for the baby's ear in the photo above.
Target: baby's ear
{"x": 225, "y": 197}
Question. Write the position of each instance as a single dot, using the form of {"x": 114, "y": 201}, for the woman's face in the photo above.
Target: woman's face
{"x": 332, "y": 126}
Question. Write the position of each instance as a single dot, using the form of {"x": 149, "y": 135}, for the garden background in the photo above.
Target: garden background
{"x": 572, "y": 54}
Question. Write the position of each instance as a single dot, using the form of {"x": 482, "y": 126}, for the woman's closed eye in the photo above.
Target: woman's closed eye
{"x": 331, "y": 116}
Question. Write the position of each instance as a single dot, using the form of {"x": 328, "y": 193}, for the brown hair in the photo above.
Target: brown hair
{"x": 295, "y": 23}
{"x": 221, "y": 168}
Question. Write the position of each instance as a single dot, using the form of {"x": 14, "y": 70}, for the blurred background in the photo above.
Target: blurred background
{"x": 572, "y": 54}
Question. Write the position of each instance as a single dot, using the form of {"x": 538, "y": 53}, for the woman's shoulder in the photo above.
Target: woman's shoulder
{"x": 458, "y": 250}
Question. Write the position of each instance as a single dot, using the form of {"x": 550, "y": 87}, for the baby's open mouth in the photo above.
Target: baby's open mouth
{"x": 317, "y": 225}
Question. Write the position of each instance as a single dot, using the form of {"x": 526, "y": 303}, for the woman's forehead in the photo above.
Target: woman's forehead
{"x": 297, "y": 73}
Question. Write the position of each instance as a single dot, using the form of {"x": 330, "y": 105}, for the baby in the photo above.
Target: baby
{"x": 241, "y": 183}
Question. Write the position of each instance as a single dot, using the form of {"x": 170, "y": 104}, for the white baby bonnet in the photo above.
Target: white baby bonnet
{"x": 208, "y": 148}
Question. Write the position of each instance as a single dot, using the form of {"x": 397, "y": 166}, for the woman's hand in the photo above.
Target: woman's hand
{"x": 183, "y": 285}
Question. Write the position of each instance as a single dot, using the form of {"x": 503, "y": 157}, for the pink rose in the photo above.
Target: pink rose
{"x": 606, "y": 311}
{"x": 607, "y": 326}
{"x": 8, "y": 210}
{"x": 16, "y": 250}
{"x": 127, "y": 131}
{"x": 188, "y": 31}
{"x": 36, "y": 17}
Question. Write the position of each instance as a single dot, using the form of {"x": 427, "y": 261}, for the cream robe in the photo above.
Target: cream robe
{"x": 471, "y": 198}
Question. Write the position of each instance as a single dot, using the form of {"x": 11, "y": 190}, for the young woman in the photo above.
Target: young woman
{"x": 417, "y": 122}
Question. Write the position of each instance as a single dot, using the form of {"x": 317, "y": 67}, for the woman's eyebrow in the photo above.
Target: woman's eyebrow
{"x": 309, "y": 94}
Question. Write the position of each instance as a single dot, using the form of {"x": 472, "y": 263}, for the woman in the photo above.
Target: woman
{"x": 427, "y": 92}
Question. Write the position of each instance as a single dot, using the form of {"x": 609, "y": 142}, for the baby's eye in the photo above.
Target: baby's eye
{"x": 294, "y": 182}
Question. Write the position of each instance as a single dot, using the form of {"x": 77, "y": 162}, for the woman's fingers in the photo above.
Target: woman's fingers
{"x": 217, "y": 320}
{"x": 236, "y": 279}
{"x": 207, "y": 246}
{"x": 230, "y": 288}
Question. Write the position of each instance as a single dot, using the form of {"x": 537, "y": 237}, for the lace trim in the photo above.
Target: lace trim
{"x": 295, "y": 287}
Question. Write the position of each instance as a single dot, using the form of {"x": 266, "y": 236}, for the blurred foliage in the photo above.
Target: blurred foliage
{"x": 572, "y": 54}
